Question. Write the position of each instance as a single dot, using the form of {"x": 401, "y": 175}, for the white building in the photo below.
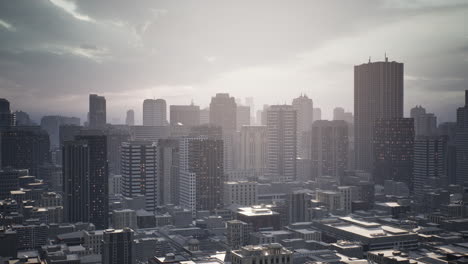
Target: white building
{"x": 154, "y": 112}
{"x": 240, "y": 193}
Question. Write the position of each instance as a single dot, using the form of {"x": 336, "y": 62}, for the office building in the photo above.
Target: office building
{"x": 149, "y": 133}
{"x": 259, "y": 217}
{"x": 240, "y": 193}
{"x": 52, "y": 124}
{"x": 461, "y": 143}
{"x": 298, "y": 204}
{"x": 340, "y": 114}
{"x": 97, "y": 111}
{"x": 205, "y": 116}
{"x": 201, "y": 173}
{"x": 9, "y": 181}
{"x": 430, "y": 164}
{"x": 85, "y": 180}
{"x": 425, "y": 124}
{"x": 24, "y": 148}
{"x": 7, "y": 119}
{"x": 223, "y": 112}
{"x": 124, "y": 218}
{"x": 237, "y": 234}
{"x": 253, "y": 148}
{"x": 154, "y": 112}
{"x": 282, "y": 148}
{"x": 117, "y": 246}
{"x": 378, "y": 93}
{"x": 317, "y": 114}
{"x": 329, "y": 154}
{"x": 187, "y": 115}
{"x": 168, "y": 171}
{"x": 130, "y": 118}
{"x": 304, "y": 112}
{"x": 140, "y": 172}
{"x": 242, "y": 116}
{"x": 271, "y": 253}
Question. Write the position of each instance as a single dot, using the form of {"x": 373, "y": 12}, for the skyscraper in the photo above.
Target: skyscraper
{"x": 130, "y": 118}
{"x": 201, "y": 173}
{"x": 282, "y": 148}
{"x": 317, "y": 114}
{"x": 430, "y": 164}
{"x": 85, "y": 180}
{"x": 24, "y": 148}
{"x": 242, "y": 116}
{"x": 7, "y": 119}
{"x": 461, "y": 142}
{"x": 329, "y": 143}
{"x": 253, "y": 148}
{"x": 168, "y": 171}
{"x": 187, "y": 115}
{"x": 154, "y": 112}
{"x": 51, "y": 124}
{"x": 97, "y": 111}
{"x": 378, "y": 93}
{"x": 223, "y": 112}
{"x": 117, "y": 246}
{"x": 340, "y": 114}
{"x": 425, "y": 124}
{"x": 393, "y": 150}
{"x": 304, "y": 109}
{"x": 140, "y": 171}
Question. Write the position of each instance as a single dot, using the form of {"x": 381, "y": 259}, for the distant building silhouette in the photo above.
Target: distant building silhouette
{"x": 223, "y": 112}
{"x": 242, "y": 116}
{"x": 130, "y": 118}
{"x": 317, "y": 114}
{"x": 154, "y": 112}
{"x": 97, "y": 111}
{"x": 461, "y": 143}
{"x": 304, "y": 111}
{"x": 378, "y": 93}
{"x": 425, "y": 124}
{"x": 187, "y": 115}
{"x": 7, "y": 119}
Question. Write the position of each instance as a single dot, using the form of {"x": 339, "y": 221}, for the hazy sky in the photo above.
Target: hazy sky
{"x": 54, "y": 53}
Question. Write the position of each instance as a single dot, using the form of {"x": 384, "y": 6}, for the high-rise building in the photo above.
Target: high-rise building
{"x": 393, "y": 150}
{"x": 298, "y": 204}
{"x": 253, "y": 148}
{"x": 378, "y": 93}
{"x": 24, "y": 148}
{"x": 130, "y": 118}
{"x": 242, "y": 116}
{"x": 9, "y": 181}
{"x": 205, "y": 116}
{"x": 430, "y": 164}
{"x": 115, "y": 138}
{"x": 7, "y": 119}
{"x": 168, "y": 170}
{"x": 201, "y": 173}
{"x": 425, "y": 124}
{"x": 154, "y": 112}
{"x": 262, "y": 254}
{"x": 52, "y": 124}
{"x": 282, "y": 148}
{"x": 316, "y": 114}
{"x": 124, "y": 218}
{"x": 329, "y": 143}
{"x": 461, "y": 143}
{"x": 117, "y": 246}
{"x": 240, "y": 193}
{"x": 97, "y": 111}
{"x": 237, "y": 234}
{"x": 140, "y": 172}
{"x": 304, "y": 110}
{"x": 85, "y": 180}
{"x": 340, "y": 114}
{"x": 223, "y": 112}
{"x": 187, "y": 115}
{"x": 149, "y": 133}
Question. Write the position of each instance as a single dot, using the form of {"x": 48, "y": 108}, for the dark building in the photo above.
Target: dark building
{"x": 223, "y": 111}
{"x": 85, "y": 180}
{"x": 393, "y": 150}
{"x": 97, "y": 111}
{"x": 461, "y": 143}
{"x": 8, "y": 243}
{"x": 115, "y": 138}
{"x": 378, "y": 93}
{"x": 52, "y": 124}
{"x": 168, "y": 171}
{"x": 9, "y": 181}
{"x": 187, "y": 115}
{"x": 24, "y": 148}
{"x": 7, "y": 119}
{"x": 117, "y": 246}
{"x": 299, "y": 202}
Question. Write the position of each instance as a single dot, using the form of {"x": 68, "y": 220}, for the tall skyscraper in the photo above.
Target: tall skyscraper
{"x": 461, "y": 143}
{"x": 205, "y": 116}
{"x": 51, "y": 124}
{"x": 317, "y": 114}
{"x": 329, "y": 143}
{"x": 282, "y": 148}
{"x": 187, "y": 115}
{"x": 130, "y": 118}
{"x": 425, "y": 124}
{"x": 378, "y": 93}
{"x": 97, "y": 111}
{"x": 242, "y": 116}
{"x": 304, "y": 109}
{"x": 223, "y": 112}
{"x": 393, "y": 150}
{"x": 201, "y": 173}
{"x": 140, "y": 172}
{"x": 24, "y": 148}
{"x": 7, "y": 119}
{"x": 430, "y": 164}
{"x": 154, "y": 112}
{"x": 168, "y": 171}
{"x": 85, "y": 180}
{"x": 253, "y": 148}
{"x": 340, "y": 114}
{"x": 117, "y": 246}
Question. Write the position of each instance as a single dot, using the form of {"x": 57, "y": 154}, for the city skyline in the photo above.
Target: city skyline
{"x": 129, "y": 55}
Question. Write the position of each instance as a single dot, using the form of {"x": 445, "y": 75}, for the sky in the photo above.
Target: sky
{"x": 54, "y": 53}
